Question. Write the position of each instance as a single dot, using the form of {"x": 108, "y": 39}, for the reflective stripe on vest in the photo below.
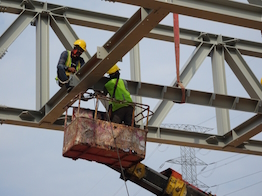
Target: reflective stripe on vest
{"x": 121, "y": 93}
{"x": 69, "y": 62}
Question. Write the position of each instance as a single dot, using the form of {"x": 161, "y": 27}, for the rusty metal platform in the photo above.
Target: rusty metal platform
{"x": 103, "y": 141}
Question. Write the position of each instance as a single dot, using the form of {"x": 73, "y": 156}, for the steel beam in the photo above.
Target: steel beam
{"x": 30, "y": 118}
{"x": 220, "y": 86}
{"x": 230, "y": 12}
{"x": 199, "y": 140}
{"x": 256, "y": 2}
{"x": 27, "y": 118}
{"x": 190, "y": 68}
{"x": 113, "y": 23}
{"x": 42, "y": 60}
{"x": 225, "y": 11}
{"x": 135, "y": 71}
{"x": 115, "y": 48}
{"x": 131, "y": 32}
{"x": 160, "y": 32}
{"x": 242, "y": 133}
{"x": 244, "y": 74}
{"x": 66, "y": 34}
{"x": 171, "y": 93}
{"x": 14, "y": 30}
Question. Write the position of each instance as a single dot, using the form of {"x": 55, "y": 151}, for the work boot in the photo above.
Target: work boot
{"x": 69, "y": 89}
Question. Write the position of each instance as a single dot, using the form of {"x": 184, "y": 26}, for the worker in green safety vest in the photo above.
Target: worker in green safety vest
{"x": 69, "y": 63}
{"x": 118, "y": 89}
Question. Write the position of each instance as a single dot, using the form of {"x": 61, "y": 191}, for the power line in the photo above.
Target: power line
{"x": 206, "y": 120}
{"x": 223, "y": 159}
{"x": 243, "y": 188}
{"x": 201, "y": 172}
{"x": 236, "y": 179}
{"x": 98, "y": 182}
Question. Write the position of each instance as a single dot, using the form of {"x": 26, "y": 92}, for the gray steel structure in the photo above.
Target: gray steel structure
{"x": 128, "y": 33}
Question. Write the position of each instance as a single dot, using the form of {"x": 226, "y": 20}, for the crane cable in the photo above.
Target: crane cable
{"x": 177, "y": 53}
{"x": 118, "y": 156}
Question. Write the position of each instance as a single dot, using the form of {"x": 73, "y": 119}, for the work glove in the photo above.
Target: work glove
{"x": 71, "y": 69}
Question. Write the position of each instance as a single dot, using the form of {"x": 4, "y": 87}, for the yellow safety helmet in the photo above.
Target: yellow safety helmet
{"x": 113, "y": 69}
{"x": 261, "y": 81}
{"x": 80, "y": 43}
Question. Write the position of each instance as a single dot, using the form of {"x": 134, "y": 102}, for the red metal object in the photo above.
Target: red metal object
{"x": 177, "y": 53}
{"x": 177, "y": 43}
{"x": 103, "y": 141}
{"x": 191, "y": 189}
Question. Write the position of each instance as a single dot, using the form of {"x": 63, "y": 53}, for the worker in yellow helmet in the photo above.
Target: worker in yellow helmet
{"x": 70, "y": 62}
{"x": 118, "y": 89}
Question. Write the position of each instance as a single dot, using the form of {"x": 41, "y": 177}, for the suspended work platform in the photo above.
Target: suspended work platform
{"x": 91, "y": 136}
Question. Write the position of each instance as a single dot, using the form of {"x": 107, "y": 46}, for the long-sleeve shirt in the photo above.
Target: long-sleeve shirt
{"x": 63, "y": 58}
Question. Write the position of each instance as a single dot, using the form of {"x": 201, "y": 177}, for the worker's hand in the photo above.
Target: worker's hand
{"x": 72, "y": 69}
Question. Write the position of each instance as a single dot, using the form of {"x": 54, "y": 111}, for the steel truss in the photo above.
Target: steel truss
{"x": 128, "y": 32}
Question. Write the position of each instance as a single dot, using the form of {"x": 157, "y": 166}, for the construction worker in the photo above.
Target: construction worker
{"x": 69, "y": 63}
{"x": 117, "y": 88}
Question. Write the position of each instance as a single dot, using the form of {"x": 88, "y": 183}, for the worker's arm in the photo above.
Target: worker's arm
{"x": 82, "y": 62}
{"x": 62, "y": 61}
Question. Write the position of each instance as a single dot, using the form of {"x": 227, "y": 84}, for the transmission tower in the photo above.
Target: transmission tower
{"x": 188, "y": 159}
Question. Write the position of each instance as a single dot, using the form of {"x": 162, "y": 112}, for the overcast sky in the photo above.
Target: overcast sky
{"x": 31, "y": 161}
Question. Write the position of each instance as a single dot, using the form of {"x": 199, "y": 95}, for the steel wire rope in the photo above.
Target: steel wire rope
{"x": 108, "y": 171}
{"x": 103, "y": 175}
{"x": 199, "y": 149}
{"x": 148, "y": 157}
{"x": 122, "y": 171}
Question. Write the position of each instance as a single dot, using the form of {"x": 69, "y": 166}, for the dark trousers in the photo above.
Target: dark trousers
{"x": 123, "y": 114}
{"x": 62, "y": 75}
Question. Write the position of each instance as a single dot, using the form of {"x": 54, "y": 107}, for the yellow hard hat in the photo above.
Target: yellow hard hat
{"x": 80, "y": 43}
{"x": 113, "y": 69}
{"x": 261, "y": 81}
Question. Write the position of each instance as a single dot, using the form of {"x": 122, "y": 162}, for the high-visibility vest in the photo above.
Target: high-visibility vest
{"x": 121, "y": 94}
{"x": 69, "y": 62}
